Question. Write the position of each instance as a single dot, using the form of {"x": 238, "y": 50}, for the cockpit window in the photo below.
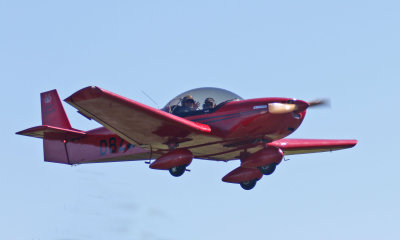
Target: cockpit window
{"x": 199, "y": 101}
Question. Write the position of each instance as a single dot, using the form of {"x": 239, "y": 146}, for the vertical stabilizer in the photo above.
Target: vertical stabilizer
{"x": 53, "y": 113}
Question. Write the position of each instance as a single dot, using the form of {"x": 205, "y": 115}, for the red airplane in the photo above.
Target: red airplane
{"x": 224, "y": 128}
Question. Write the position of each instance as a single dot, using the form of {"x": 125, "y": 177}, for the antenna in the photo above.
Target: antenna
{"x": 158, "y": 106}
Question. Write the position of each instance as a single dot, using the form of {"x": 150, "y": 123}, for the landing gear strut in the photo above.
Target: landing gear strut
{"x": 178, "y": 170}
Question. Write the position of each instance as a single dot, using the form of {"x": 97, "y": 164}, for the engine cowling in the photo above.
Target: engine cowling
{"x": 263, "y": 157}
{"x": 242, "y": 174}
{"x": 174, "y": 158}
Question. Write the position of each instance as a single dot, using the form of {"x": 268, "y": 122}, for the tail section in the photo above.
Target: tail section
{"x": 56, "y": 130}
{"x": 53, "y": 113}
{"x": 67, "y": 145}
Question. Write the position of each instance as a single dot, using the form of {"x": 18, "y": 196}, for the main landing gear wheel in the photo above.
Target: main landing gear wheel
{"x": 177, "y": 171}
{"x": 268, "y": 169}
{"x": 248, "y": 184}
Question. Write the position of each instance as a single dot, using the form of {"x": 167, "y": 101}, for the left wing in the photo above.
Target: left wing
{"x": 300, "y": 146}
{"x": 135, "y": 122}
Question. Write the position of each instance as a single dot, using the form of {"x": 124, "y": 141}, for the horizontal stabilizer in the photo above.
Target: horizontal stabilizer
{"x": 52, "y": 132}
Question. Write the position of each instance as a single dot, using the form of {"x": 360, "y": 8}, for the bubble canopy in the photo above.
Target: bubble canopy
{"x": 200, "y": 94}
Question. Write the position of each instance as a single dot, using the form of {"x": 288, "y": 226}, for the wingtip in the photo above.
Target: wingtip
{"x": 349, "y": 143}
{"x": 353, "y": 142}
{"x": 84, "y": 94}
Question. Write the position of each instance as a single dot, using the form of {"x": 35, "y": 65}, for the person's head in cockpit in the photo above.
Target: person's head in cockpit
{"x": 189, "y": 103}
{"x": 209, "y": 104}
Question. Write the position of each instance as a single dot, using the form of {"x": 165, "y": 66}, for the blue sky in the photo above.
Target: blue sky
{"x": 347, "y": 51}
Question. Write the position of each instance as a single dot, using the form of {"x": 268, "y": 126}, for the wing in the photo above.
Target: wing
{"x": 301, "y": 146}
{"x": 135, "y": 122}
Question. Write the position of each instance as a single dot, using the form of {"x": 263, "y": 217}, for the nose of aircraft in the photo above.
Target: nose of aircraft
{"x": 295, "y": 106}
{"x": 300, "y": 105}
{"x": 291, "y": 106}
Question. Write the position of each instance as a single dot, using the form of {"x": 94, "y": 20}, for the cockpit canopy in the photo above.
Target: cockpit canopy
{"x": 199, "y": 95}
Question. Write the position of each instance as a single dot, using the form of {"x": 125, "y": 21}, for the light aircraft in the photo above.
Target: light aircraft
{"x": 226, "y": 127}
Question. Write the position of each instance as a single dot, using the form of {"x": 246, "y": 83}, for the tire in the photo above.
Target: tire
{"x": 177, "y": 171}
{"x": 268, "y": 169}
{"x": 248, "y": 184}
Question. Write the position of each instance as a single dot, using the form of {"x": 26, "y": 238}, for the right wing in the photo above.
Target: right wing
{"x": 301, "y": 146}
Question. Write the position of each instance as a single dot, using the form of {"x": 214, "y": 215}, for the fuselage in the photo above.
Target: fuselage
{"x": 236, "y": 126}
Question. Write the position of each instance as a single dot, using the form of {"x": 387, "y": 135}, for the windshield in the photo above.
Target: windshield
{"x": 204, "y": 100}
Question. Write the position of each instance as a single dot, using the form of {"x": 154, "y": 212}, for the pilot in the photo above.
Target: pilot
{"x": 209, "y": 104}
{"x": 188, "y": 105}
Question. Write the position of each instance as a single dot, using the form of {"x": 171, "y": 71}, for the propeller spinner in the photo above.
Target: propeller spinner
{"x": 295, "y": 106}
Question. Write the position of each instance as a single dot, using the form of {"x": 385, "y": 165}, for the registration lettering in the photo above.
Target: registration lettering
{"x": 114, "y": 145}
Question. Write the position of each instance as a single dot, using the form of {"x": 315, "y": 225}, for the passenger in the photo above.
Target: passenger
{"x": 209, "y": 104}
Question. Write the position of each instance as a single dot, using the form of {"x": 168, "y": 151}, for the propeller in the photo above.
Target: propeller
{"x": 297, "y": 105}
